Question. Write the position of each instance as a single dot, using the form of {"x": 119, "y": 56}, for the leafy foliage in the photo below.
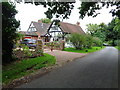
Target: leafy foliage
{"x": 97, "y": 30}
{"x": 9, "y": 26}
{"x": 81, "y": 41}
{"x": 25, "y": 52}
{"x": 92, "y": 28}
{"x": 117, "y": 27}
{"x": 63, "y": 9}
{"x": 107, "y": 33}
{"x": 18, "y": 37}
{"x": 58, "y": 9}
{"x": 89, "y": 8}
{"x": 97, "y": 42}
{"x": 78, "y": 40}
{"x": 55, "y": 8}
{"x": 45, "y": 20}
{"x": 112, "y": 31}
{"x": 89, "y": 41}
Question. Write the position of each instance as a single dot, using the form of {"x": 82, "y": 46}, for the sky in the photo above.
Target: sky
{"x": 30, "y": 12}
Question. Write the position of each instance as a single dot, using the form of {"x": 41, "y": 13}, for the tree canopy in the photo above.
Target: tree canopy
{"x": 45, "y": 20}
{"x": 110, "y": 32}
{"x": 89, "y": 8}
{"x": 97, "y": 30}
{"x": 9, "y": 26}
{"x": 62, "y": 9}
{"x": 58, "y": 9}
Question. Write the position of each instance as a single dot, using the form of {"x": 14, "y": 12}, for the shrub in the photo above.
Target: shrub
{"x": 97, "y": 41}
{"x": 117, "y": 42}
{"x": 89, "y": 41}
{"x": 26, "y": 53}
{"x": 78, "y": 40}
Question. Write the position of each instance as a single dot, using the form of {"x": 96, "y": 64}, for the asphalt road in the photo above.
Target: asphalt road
{"x": 96, "y": 70}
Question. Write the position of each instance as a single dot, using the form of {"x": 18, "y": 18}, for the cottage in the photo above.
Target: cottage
{"x": 54, "y": 31}
{"x": 40, "y": 29}
{"x": 57, "y": 32}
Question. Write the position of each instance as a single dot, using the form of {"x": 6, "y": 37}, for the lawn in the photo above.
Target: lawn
{"x": 93, "y": 49}
{"x": 25, "y": 67}
{"x": 117, "y": 47}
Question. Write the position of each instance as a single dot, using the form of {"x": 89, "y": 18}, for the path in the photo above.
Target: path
{"x": 64, "y": 56}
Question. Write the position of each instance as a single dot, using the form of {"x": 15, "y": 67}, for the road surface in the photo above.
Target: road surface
{"x": 96, "y": 70}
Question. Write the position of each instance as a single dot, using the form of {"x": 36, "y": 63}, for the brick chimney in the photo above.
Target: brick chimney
{"x": 78, "y": 23}
{"x": 39, "y": 21}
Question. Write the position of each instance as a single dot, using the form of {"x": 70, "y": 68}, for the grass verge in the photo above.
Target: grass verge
{"x": 117, "y": 47}
{"x": 25, "y": 67}
{"x": 93, "y": 49}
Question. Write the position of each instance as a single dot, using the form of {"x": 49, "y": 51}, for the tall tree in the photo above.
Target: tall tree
{"x": 97, "y": 30}
{"x": 113, "y": 32}
{"x": 9, "y": 26}
{"x": 117, "y": 27}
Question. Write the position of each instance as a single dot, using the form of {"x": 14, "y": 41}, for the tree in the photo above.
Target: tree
{"x": 92, "y": 28}
{"x": 45, "y": 20}
{"x": 97, "y": 42}
{"x": 89, "y": 8}
{"x": 9, "y": 26}
{"x": 58, "y": 8}
{"x": 62, "y": 9}
{"x": 112, "y": 33}
{"x": 117, "y": 26}
{"x": 97, "y": 30}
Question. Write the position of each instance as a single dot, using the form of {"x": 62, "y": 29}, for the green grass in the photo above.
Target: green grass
{"x": 117, "y": 47}
{"x": 25, "y": 67}
{"x": 93, "y": 49}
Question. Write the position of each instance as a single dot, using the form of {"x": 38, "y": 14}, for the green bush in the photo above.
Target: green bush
{"x": 78, "y": 40}
{"x": 89, "y": 41}
{"x": 97, "y": 42}
{"x": 117, "y": 42}
{"x": 81, "y": 41}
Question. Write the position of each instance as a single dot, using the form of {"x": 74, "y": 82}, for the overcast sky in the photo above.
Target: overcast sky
{"x": 30, "y": 12}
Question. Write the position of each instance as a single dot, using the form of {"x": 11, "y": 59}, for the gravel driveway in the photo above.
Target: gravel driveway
{"x": 64, "y": 56}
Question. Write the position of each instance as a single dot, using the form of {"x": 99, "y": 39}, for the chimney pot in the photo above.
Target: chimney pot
{"x": 78, "y": 23}
{"x": 39, "y": 21}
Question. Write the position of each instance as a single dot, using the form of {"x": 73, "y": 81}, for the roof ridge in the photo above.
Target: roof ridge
{"x": 40, "y": 23}
{"x": 70, "y": 23}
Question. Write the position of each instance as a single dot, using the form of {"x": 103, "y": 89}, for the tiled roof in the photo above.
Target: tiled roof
{"x": 28, "y": 33}
{"x": 41, "y": 27}
{"x": 71, "y": 28}
{"x": 66, "y": 27}
{"x": 31, "y": 33}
